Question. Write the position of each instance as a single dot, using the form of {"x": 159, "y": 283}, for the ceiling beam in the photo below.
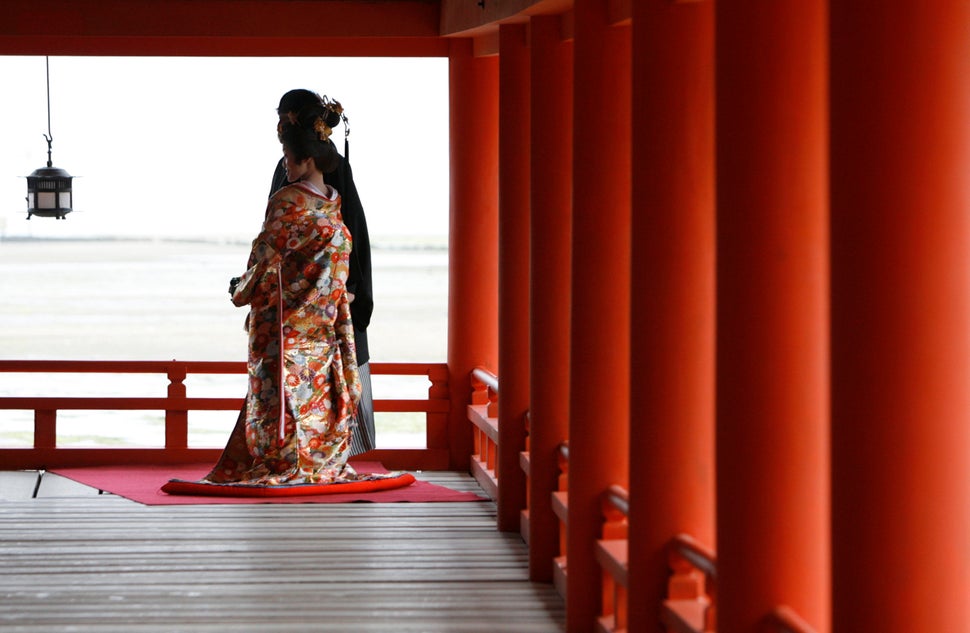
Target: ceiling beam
{"x": 481, "y": 18}
{"x": 222, "y": 27}
{"x": 160, "y": 46}
{"x": 475, "y": 17}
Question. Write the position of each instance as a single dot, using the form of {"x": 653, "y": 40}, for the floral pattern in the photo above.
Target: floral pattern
{"x": 303, "y": 385}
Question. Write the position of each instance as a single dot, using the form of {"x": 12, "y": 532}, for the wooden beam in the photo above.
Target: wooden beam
{"x": 137, "y": 45}
{"x": 226, "y": 18}
{"x": 481, "y": 19}
{"x": 222, "y": 27}
{"x": 468, "y": 17}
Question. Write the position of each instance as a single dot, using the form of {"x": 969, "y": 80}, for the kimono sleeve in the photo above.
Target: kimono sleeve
{"x": 262, "y": 255}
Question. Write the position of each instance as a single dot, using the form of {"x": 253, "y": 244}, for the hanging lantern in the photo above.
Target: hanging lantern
{"x": 49, "y": 188}
{"x": 49, "y": 192}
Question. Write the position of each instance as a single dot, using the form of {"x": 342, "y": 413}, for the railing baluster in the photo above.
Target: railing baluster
{"x": 437, "y": 422}
{"x": 176, "y": 420}
{"x": 611, "y": 553}
{"x": 45, "y": 428}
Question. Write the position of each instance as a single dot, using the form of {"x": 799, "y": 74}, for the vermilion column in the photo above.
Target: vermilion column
{"x": 513, "y": 304}
{"x": 773, "y": 541}
{"x": 672, "y": 300}
{"x": 600, "y": 321}
{"x": 473, "y": 235}
{"x": 551, "y": 235}
{"x": 901, "y": 316}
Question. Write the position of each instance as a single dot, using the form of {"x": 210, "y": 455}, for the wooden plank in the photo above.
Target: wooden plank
{"x": 84, "y": 562}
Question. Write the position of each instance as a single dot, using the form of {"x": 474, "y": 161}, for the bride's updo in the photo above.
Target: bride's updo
{"x": 307, "y": 135}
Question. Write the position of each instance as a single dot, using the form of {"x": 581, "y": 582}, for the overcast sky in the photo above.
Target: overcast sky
{"x": 185, "y": 147}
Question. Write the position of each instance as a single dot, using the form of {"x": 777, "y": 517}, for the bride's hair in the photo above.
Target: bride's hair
{"x": 308, "y": 136}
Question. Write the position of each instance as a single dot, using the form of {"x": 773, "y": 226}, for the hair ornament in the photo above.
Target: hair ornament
{"x": 333, "y": 105}
{"x": 337, "y": 115}
{"x": 322, "y": 129}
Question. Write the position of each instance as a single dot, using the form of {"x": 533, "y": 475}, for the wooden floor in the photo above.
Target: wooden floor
{"x": 74, "y": 560}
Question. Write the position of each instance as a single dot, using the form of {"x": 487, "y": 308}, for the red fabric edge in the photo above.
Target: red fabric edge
{"x": 197, "y": 488}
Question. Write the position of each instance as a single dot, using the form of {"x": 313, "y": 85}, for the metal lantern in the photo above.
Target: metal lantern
{"x": 49, "y": 188}
{"x": 49, "y": 192}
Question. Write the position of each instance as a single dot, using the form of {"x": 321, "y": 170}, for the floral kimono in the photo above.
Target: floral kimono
{"x": 303, "y": 385}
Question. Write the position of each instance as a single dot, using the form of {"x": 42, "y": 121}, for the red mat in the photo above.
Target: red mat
{"x": 143, "y": 484}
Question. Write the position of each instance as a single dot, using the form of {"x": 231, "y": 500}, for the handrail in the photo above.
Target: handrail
{"x": 696, "y": 554}
{"x": 784, "y": 619}
{"x": 618, "y": 498}
{"x": 121, "y": 366}
{"x": 562, "y": 460}
{"x": 45, "y": 453}
{"x": 191, "y": 366}
{"x": 486, "y": 377}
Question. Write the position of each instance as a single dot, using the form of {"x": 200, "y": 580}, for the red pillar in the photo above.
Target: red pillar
{"x": 672, "y": 299}
{"x": 901, "y": 316}
{"x": 473, "y": 234}
{"x": 600, "y": 318}
{"x": 513, "y": 304}
{"x": 551, "y": 235}
{"x": 772, "y": 327}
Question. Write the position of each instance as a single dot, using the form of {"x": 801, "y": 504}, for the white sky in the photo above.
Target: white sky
{"x": 186, "y": 146}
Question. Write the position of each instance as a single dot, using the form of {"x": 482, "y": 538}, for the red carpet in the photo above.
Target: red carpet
{"x": 143, "y": 484}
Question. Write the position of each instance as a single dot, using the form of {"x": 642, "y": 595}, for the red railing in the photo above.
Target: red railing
{"x": 560, "y": 507}
{"x": 525, "y": 463}
{"x": 690, "y": 606}
{"x": 483, "y": 417}
{"x": 483, "y": 414}
{"x": 44, "y": 452}
{"x": 612, "y": 556}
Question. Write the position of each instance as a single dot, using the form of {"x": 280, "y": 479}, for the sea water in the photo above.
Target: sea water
{"x": 168, "y": 300}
